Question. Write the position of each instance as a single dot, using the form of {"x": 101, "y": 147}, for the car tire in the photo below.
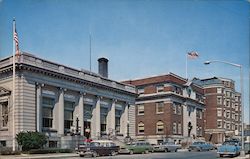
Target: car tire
{"x": 131, "y": 152}
{"x": 166, "y": 150}
{"x": 95, "y": 154}
{"x": 146, "y": 151}
{"x": 113, "y": 153}
{"x": 175, "y": 150}
{"x": 221, "y": 155}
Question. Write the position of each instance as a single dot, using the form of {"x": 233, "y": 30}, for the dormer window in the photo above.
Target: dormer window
{"x": 160, "y": 89}
{"x": 140, "y": 91}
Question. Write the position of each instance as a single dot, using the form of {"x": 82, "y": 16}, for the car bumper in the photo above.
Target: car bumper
{"x": 227, "y": 153}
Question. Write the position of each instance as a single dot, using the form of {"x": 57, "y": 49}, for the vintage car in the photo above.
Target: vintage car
{"x": 200, "y": 146}
{"x": 167, "y": 147}
{"x": 98, "y": 148}
{"x": 137, "y": 147}
{"x": 231, "y": 147}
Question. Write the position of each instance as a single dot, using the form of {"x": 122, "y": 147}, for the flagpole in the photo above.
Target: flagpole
{"x": 90, "y": 51}
{"x": 13, "y": 87}
{"x": 186, "y": 67}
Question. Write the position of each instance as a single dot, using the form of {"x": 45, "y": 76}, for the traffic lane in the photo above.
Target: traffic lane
{"x": 169, "y": 155}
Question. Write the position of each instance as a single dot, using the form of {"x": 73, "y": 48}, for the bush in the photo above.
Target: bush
{"x": 8, "y": 151}
{"x": 31, "y": 140}
{"x": 49, "y": 150}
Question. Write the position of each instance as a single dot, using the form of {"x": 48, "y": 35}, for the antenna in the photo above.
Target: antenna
{"x": 90, "y": 51}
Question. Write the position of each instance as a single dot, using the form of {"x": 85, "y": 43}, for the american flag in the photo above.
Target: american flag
{"x": 16, "y": 42}
{"x": 193, "y": 55}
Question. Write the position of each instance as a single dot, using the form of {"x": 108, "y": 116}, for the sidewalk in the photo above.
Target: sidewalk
{"x": 36, "y": 156}
{"x": 246, "y": 157}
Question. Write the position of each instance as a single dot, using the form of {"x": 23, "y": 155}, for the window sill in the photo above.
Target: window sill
{"x": 4, "y": 129}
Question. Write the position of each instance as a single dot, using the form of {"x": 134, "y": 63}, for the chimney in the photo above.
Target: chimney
{"x": 103, "y": 67}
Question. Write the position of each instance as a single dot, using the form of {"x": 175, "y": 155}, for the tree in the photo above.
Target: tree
{"x": 31, "y": 140}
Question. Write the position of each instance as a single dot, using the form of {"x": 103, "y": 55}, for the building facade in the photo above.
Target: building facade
{"x": 56, "y": 99}
{"x": 168, "y": 107}
{"x": 223, "y": 108}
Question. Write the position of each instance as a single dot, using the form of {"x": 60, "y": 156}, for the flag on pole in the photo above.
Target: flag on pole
{"x": 193, "y": 55}
{"x": 15, "y": 36}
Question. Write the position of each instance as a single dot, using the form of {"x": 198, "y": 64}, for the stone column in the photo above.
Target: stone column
{"x": 61, "y": 112}
{"x": 95, "y": 121}
{"x": 124, "y": 120}
{"x": 39, "y": 117}
{"x": 81, "y": 113}
{"x": 111, "y": 118}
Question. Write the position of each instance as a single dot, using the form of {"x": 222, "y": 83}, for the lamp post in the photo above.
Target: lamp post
{"x": 242, "y": 106}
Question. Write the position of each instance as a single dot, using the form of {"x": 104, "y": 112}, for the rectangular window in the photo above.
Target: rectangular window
{"x": 219, "y": 90}
{"x": 219, "y": 124}
{"x": 236, "y": 106}
{"x": 174, "y": 128}
{"x": 140, "y": 91}
{"x": 227, "y": 103}
{"x": 228, "y": 125}
{"x": 236, "y": 117}
{"x": 219, "y": 99}
{"x": 159, "y": 107}
{"x": 179, "y": 128}
{"x": 118, "y": 120}
{"x": 68, "y": 114}
{"x": 177, "y": 90}
{"x": 159, "y": 89}
{"x": 228, "y": 114}
{"x": 179, "y": 109}
{"x": 2, "y": 143}
{"x": 140, "y": 109}
{"x": 4, "y": 114}
{"x": 174, "y": 108}
{"x": 47, "y": 111}
{"x": 140, "y": 128}
{"x": 199, "y": 113}
{"x": 219, "y": 112}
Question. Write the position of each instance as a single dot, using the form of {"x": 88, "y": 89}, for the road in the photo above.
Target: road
{"x": 172, "y": 155}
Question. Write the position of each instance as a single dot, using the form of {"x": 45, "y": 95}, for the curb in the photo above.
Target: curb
{"x": 39, "y": 156}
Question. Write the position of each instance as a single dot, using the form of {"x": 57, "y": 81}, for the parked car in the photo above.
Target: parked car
{"x": 231, "y": 147}
{"x": 167, "y": 147}
{"x": 137, "y": 147}
{"x": 200, "y": 146}
{"x": 98, "y": 148}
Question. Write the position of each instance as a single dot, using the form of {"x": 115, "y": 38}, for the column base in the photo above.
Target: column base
{"x": 242, "y": 153}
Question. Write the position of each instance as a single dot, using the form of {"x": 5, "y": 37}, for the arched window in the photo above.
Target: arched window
{"x": 141, "y": 128}
{"x": 159, "y": 127}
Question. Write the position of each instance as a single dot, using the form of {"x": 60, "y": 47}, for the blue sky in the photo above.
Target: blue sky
{"x": 141, "y": 38}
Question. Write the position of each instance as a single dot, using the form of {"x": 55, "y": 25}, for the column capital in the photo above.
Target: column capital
{"x": 99, "y": 97}
{"x": 62, "y": 89}
{"x": 40, "y": 84}
{"x": 114, "y": 100}
{"x": 83, "y": 93}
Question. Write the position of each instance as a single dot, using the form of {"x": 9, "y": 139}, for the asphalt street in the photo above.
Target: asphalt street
{"x": 172, "y": 155}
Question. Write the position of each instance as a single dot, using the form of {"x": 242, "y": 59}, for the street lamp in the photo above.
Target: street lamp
{"x": 241, "y": 90}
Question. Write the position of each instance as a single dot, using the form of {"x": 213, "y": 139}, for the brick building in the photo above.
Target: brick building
{"x": 168, "y": 107}
{"x": 223, "y": 108}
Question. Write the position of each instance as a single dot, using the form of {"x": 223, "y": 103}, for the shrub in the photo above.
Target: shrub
{"x": 31, "y": 140}
{"x": 49, "y": 150}
{"x": 8, "y": 151}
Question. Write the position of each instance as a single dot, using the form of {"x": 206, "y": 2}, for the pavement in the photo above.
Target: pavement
{"x": 67, "y": 155}
{"x": 39, "y": 156}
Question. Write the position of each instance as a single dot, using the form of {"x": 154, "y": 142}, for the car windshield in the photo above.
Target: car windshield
{"x": 229, "y": 143}
{"x": 198, "y": 143}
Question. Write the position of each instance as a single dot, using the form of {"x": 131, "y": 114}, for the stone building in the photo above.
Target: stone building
{"x": 168, "y": 107}
{"x": 56, "y": 99}
{"x": 223, "y": 108}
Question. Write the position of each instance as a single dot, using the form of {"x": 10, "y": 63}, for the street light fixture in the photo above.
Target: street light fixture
{"x": 242, "y": 106}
